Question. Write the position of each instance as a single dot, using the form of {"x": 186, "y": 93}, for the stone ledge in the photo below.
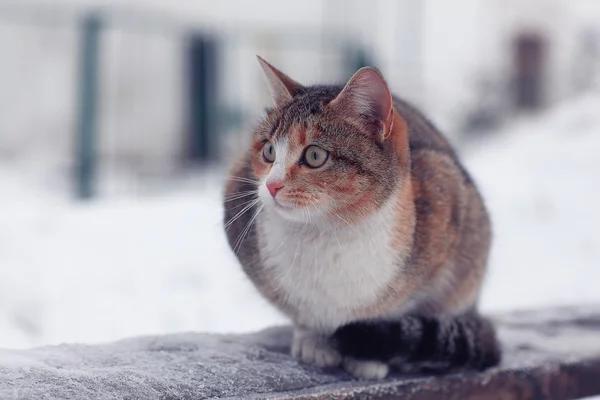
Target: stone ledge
{"x": 548, "y": 354}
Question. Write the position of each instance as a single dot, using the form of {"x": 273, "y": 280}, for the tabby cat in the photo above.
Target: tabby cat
{"x": 352, "y": 215}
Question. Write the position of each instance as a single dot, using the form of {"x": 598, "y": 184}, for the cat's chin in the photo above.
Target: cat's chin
{"x": 288, "y": 211}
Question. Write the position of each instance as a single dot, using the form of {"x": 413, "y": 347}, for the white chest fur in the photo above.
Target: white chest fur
{"x": 327, "y": 272}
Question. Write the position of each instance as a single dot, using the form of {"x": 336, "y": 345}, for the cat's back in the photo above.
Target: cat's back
{"x": 453, "y": 229}
{"x": 430, "y": 151}
{"x": 423, "y": 135}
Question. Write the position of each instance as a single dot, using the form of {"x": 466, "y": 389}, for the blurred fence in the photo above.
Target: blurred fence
{"x": 94, "y": 93}
{"x": 134, "y": 94}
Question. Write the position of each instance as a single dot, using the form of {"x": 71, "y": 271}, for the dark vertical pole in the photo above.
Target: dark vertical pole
{"x": 529, "y": 72}
{"x": 203, "y": 111}
{"x": 356, "y": 58}
{"x": 87, "y": 113}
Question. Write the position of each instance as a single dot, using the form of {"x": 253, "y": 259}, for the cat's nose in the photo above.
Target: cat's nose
{"x": 274, "y": 187}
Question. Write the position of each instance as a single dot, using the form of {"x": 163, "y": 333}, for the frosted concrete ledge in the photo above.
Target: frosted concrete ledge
{"x": 549, "y": 354}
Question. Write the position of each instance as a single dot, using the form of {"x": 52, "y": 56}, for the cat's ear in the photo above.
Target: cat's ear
{"x": 366, "y": 96}
{"x": 282, "y": 87}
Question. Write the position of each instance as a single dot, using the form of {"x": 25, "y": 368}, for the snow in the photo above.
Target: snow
{"x": 151, "y": 264}
{"x": 538, "y": 346}
{"x": 540, "y": 181}
{"x": 120, "y": 267}
{"x": 182, "y": 366}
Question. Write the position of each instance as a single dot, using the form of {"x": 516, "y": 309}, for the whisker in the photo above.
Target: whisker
{"x": 240, "y": 196}
{"x": 247, "y": 230}
{"x": 240, "y": 205}
{"x": 347, "y": 223}
{"x": 314, "y": 238}
{"x": 241, "y": 192}
{"x": 281, "y": 244}
{"x": 295, "y": 254}
{"x": 243, "y": 179}
{"x": 238, "y": 215}
{"x": 287, "y": 271}
{"x": 330, "y": 226}
{"x": 339, "y": 216}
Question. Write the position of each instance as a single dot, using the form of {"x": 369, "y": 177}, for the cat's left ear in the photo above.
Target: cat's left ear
{"x": 282, "y": 87}
{"x": 367, "y": 97}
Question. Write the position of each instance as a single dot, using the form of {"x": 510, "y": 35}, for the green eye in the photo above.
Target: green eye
{"x": 315, "y": 156}
{"x": 269, "y": 152}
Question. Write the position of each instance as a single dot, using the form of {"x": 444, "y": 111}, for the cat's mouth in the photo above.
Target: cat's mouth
{"x": 283, "y": 205}
{"x": 293, "y": 211}
{"x": 288, "y": 210}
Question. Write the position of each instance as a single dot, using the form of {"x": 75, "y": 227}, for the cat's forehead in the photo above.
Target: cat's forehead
{"x": 313, "y": 95}
{"x": 305, "y": 107}
{"x": 310, "y": 101}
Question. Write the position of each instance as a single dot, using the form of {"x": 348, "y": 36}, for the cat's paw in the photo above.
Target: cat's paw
{"x": 368, "y": 370}
{"x": 313, "y": 348}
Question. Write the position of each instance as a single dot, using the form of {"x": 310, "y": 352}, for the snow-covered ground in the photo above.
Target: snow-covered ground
{"x": 541, "y": 180}
{"x": 119, "y": 267}
{"x": 124, "y": 266}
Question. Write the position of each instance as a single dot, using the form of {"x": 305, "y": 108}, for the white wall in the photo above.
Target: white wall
{"x": 142, "y": 99}
{"x": 37, "y": 90}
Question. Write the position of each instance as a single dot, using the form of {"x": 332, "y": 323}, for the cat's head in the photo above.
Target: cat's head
{"x": 329, "y": 151}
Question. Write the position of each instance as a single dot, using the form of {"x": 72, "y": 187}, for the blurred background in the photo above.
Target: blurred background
{"x": 118, "y": 119}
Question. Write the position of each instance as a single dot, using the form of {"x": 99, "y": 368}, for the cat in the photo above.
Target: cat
{"x": 352, "y": 215}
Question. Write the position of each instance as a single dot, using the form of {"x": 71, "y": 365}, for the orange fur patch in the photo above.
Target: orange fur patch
{"x": 399, "y": 138}
{"x": 405, "y": 220}
{"x": 302, "y": 137}
{"x": 292, "y": 171}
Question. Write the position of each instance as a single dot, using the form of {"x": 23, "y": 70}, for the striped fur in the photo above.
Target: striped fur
{"x": 426, "y": 343}
{"x": 390, "y": 229}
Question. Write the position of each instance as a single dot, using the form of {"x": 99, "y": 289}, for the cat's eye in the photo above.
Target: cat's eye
{"x": 315, "y": 156}
{"x": 269, "y": 152}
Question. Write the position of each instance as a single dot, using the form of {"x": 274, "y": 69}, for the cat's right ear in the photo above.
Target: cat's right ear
{"x": 282, "y": 87}
{"x": 366, "y": 97}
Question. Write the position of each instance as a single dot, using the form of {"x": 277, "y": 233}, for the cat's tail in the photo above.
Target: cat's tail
{"x": 466, "y": 341}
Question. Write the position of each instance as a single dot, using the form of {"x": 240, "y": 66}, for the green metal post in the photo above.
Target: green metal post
{"x": 356, "y": 58}
{"x": 87, "y": 112}
{"x": 203, "y": 112}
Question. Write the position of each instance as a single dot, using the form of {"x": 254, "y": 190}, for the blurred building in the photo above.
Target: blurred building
{"x": 470, "y": 64}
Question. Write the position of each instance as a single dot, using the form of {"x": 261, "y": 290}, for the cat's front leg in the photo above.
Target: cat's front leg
{"x": 314, "y": 348}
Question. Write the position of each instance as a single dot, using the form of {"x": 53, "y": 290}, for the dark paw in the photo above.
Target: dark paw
{"x": 486, "y": 352}
{"x": 366, "y": 341}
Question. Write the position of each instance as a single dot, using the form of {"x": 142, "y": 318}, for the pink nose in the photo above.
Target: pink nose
{"x": 274, "y": 187}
